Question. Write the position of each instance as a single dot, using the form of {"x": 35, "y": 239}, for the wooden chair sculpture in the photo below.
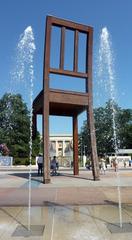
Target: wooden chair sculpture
{"x": 66, "y": 103}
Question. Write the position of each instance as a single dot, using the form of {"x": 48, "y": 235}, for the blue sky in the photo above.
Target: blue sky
{"x": 16, "y": 15}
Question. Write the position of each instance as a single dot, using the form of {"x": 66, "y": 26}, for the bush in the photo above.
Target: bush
{"x": 22, "y": 161}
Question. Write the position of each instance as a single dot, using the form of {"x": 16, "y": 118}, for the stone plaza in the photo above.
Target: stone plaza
{"x": 69, "y": 208}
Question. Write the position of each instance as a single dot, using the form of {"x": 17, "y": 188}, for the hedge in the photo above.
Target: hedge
{"x": 23, "y": 161}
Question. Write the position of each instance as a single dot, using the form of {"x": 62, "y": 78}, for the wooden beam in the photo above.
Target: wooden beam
{"x": 75, "y": 63}
{"x": 75, "y": 146}
{"x": 62, "y": 48}
{"x": 69, "y": 98}
{"x": 68, "y": 73}
{"x": 90, "y": 116}
{"x": 34, "y": 125}
{"x": 46, "y": 172}
{"x": 69, "y": 24}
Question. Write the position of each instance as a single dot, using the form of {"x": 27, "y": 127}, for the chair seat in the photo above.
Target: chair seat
{"x": 62, "y": 103}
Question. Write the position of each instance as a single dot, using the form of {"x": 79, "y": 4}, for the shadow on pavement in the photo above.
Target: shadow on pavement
{"x": 34, "y": 176}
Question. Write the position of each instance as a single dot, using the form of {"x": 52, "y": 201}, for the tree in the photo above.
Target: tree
{"x": 106, "y": 119}
{"x": 15, "y": 125}
{"x": 106, "y": 123}
{"x": 36, "y": 147}
{"x": 125, "y": 128}
{"x": 84, "y": 140}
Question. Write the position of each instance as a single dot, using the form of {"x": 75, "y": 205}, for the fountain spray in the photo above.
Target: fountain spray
{"x": 106, "y": 67}
{"x": 24, "y": 76}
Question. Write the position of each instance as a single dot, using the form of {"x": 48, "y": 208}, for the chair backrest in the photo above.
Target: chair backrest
{"x": 77, "y": 30}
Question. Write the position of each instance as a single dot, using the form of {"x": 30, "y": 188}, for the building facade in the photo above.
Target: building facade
{"x": 61, "y": 146}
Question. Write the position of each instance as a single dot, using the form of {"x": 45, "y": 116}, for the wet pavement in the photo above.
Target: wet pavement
{"x": 70, "y": 208}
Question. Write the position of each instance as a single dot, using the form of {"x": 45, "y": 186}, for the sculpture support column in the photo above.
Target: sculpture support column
{"x": 90, "y": 116}
{"x": 94, "y": 157}
{"x": 75, "y": 146}
{"x": 46, "y": 172}
{"x": 34, "y": 124}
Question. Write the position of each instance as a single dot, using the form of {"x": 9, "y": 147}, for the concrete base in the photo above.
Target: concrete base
{"x": 96, "y": 178}
{"x": 23, "y": 231}
{"x": 115, "y": 228}
{"x": 46, "y": 181}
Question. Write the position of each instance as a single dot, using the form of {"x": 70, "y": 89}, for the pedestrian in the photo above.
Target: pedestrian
{"x": 129, "y": 163}
{"x": 103, "y": 166}
{"x": 124, "y": 163}
{"x": 40, "y": 164}
{"x": 53, "y": 166}
{"x": 115, "y": 164}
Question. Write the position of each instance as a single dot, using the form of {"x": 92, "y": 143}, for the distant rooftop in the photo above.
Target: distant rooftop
{"x": 61, "y": 135}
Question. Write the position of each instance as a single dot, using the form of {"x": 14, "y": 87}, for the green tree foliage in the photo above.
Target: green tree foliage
{"x": 125, "y": 128}
{"x": 104, "y": 129}
{"x": 36, "y": 145}
{"x": 104, "y": 126}
{"x": 14, "y": 124}
{"x": 84, "y": 140}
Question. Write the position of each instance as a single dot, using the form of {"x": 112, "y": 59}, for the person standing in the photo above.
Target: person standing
{"x": 40, "y": 164}
{"x": 115, "y": 164}
{"x": 53, "y": 166}
{"x": 103, "y": 166}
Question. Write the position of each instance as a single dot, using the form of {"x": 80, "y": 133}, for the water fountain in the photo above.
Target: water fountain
{"x": 24, "y": 76}
{"x": 107, "y": 76}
